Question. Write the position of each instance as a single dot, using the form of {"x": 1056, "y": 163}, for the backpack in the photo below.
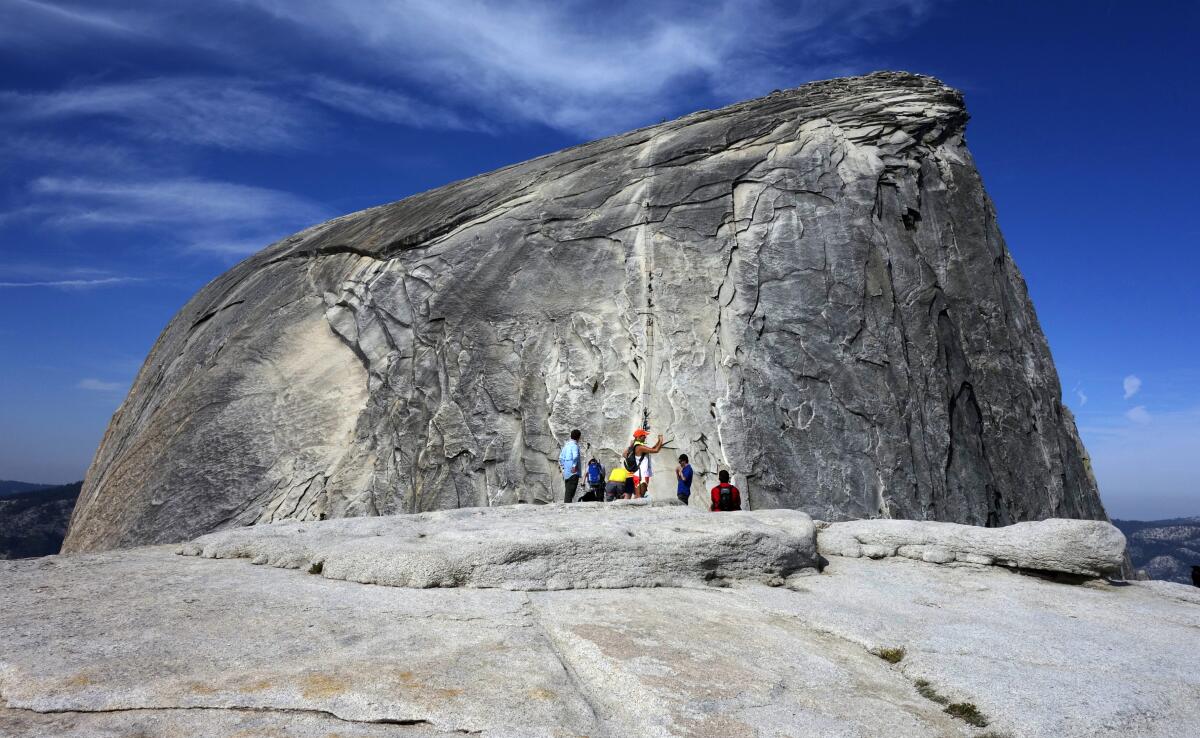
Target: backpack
{"x": 630, "y": 460}
{"x": 595, "y": 472}
{"x": 725, "y": 498}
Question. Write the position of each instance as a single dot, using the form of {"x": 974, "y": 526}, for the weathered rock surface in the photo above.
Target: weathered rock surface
{"x": 836, "y": 319}
{"x": 1084, "y": 547}
{"x": 585, "y": 545}
{"x": 146, "y": 642}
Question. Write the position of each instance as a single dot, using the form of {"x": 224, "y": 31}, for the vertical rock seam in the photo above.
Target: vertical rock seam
{"x": 809, "y": 289}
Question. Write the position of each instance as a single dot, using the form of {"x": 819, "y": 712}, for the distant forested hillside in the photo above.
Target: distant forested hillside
{"x": 33, "y": 522}
{"x": 10, "y": 487}
{"x": 1164, "y": 549}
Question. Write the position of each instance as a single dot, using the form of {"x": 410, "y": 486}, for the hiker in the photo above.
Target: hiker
{"x": 725, "y": 497}
{"x": 568, "y": 461}
{"x": 595, "y": 481}
{"x": 683, "y": 477}
{"x": 637, "y": 460}
{"x": 615, "y": 488}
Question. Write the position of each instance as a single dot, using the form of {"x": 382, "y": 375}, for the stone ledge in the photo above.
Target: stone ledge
{"x": 580, "y": 546}
{"x": 1083, "y": 547}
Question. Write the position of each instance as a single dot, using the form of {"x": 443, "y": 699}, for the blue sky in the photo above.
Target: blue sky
{"x": 148, "y": 145}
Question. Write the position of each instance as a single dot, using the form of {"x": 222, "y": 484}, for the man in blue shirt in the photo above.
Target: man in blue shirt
{"x": 568, "y": 461}
{"x": 683, "y": 473}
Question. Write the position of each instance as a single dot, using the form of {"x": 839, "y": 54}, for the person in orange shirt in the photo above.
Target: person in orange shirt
{"x": 725, "y": 497}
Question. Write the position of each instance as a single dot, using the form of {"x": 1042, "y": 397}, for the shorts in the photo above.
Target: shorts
{"x": 684, "y": 497}
{"x": 613, "y": 491}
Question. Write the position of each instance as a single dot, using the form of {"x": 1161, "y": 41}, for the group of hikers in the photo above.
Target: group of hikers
{"x": 630, "y": 478}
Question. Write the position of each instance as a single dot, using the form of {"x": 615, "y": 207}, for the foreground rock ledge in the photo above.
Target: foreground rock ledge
{"x": 1089, "y": 548}
{"x": 147, "y": 643}
{"x": 581, "y": 546}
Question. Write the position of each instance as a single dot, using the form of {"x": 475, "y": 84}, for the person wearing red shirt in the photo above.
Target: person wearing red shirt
{"x": 725, "y": 497}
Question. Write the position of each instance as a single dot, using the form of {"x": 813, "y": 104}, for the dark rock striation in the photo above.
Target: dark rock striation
{"x": 809, "y": 289}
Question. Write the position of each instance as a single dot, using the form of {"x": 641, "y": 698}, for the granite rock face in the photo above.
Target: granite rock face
{"x": 586, "y": 545}
{"x": 145, "y": 642}
{"x": 809, "y": 289}
{"x": 1084, "y": 547}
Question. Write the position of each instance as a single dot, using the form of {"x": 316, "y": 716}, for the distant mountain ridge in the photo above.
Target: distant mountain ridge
{"x": 33, "y": 522}
{"x": 1164, "y": 549}
{"x": 12, "y": 487}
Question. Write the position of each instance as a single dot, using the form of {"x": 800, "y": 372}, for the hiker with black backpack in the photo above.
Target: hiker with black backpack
{"x": 636, "y": 460}
{"x": 725, "y": 497}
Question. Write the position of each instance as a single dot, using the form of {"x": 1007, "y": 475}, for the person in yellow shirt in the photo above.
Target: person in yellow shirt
{"x": 619, "y": 485}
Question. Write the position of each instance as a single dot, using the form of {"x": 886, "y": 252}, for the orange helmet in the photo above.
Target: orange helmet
{"x": 640, "y": 433}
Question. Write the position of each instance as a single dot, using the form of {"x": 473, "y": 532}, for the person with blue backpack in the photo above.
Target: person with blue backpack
{"x": 595, "y": 482}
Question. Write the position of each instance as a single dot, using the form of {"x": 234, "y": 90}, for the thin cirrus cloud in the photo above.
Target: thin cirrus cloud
{"x": 574, "y": 66}
{"x": 96, "y": 385}
{"x": 216, "y": 216}
{"x": 584, "y": 70}
{"x": 223, "y": 113}
{"x": 1132, "y": 385}
{"x": 388, "y": 106}
{"x": 1138, "y": 414}
{"x": 73, "y": 151}
{"x": 32, "y": 22}
{"x": 72, "y": 284}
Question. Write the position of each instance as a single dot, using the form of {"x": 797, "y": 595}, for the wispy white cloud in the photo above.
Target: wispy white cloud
{"x": 73, "y": 284}
{"x": 1138, "y": 414}
{"x": 428, "y": 63}
{"x": 61, "y": 150}
{"x": 224, "y": 113}
{"x": 575, "y": 67}
{"x": 1083, "y": 398}
{"x": 89, "y": 201}
{"x": 388, "y": 106}
{"x": 33, "y": 22}
{"x": 96, "y": 385}
{"x": 196, "y": 214}
{"x": 1132, "y": 385}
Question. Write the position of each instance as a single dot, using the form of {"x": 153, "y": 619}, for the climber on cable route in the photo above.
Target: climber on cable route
{"x": 636, "y": 459}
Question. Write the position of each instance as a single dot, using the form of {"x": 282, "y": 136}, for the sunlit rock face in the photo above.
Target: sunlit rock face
{"x": 809, "y": 289}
